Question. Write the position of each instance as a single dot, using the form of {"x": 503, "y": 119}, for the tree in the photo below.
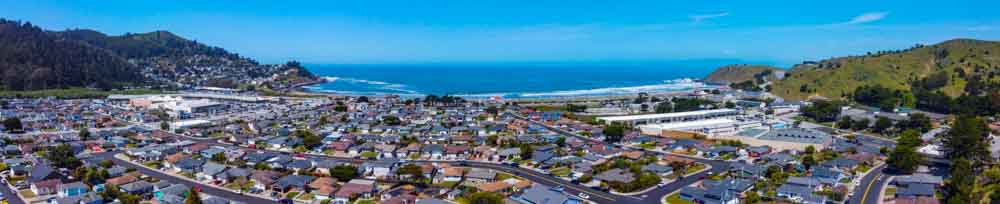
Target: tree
{"x": 164, "y": 125}
{"x": 62, "y": 156}
{"x": 193, "y": 197}
{"x": 882, "y": 125}
{"x": 663, "y": 107}
{"x": 963, "y": 181}
{"x": 561, "y": 142}
{"x": 917, "y": 121}
{"x": 679, "y": 167}
{"x": 220, "y": 158}
{"x": 12, "y": 124}
{"x": 309, "y": 139}
{"x": 261, "y": 166}
{"x": 808, "y": 160}
{"x": 526, "y": 151}
{"x": 492, "y": 110}
{"x": 391, "y": 120}
{"x": 84, "y": 134}
{"x": 412, "y": 171}
{"x": 485, "y": 198}
{"x": 844, "y": 123}
{"x": 861, "y": 124}
{"x": 822, "y": 111}
{"x": 905, "y": 157}
{"x": 324, "y": 119}
{"x": 753, "y": 197}
{"x": 344, "y": 172}
{"x": 810, "y": 149}
{"x": 967, "y": 139}
{"x": 613, "y": 133}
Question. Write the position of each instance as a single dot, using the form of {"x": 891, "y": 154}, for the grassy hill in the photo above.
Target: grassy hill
{"x": 946, "y": 67}
{"x": 739, "y": 73}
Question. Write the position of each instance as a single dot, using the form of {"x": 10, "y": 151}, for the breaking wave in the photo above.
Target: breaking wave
{"x": 353, "y": 86}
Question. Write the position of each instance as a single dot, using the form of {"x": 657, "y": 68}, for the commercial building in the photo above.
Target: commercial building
{"x": 710, "y": 127}
{"x": 635, "y": 120}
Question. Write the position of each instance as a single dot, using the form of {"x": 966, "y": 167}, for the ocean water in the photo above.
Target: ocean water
{"x": 509, "y": 81}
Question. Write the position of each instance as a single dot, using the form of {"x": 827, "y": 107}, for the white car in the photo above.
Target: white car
{"x": 584, "y": 196}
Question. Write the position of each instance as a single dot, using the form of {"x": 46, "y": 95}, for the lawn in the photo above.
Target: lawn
{"x": 236, "y": 186}
{"x": 365, "y": 201}
{"x": 233, "y": 186}
{"x": 27, "y": 194}
{"x": 292, "y": 194}
{"x": 648, "y": 145}
{"x": 503, "y": 176}
{"x": 152, "y": 164}
{"x": 446, "y": 184}
{"x": 306, "y": 196}
{"x": 369, "y": 154}
{"x": 15, "y": 179}
{"x": 561, "y": 171}
{"x": 697, "y": 167}
{"x": 676, "y": 199}
{"x": 890, "y": 191}
{"x": 862, "y": 168}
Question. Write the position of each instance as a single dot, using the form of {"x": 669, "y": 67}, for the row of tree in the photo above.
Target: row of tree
{"x": 32, "y": 59}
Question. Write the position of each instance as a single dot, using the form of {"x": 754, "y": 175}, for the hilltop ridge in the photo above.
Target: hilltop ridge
{"x": 743, "y": 72}
{"x": 948, "y": 67}
{"x": 89, "y": 58}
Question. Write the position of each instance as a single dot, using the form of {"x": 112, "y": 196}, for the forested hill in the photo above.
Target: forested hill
{"x": 33, "y": 59}
{"x": 144, "y": 45}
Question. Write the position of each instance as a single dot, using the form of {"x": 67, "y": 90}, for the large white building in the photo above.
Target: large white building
{"x": 636, "y": 120}
{"x": 710, "y": 127}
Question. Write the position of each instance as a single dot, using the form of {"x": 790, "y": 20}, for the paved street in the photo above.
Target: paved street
{"x": 206, "y": 188}
{"x": 11, "y": 195}
{"x": 652, "y": 196}
{"x": 868, "y": 190}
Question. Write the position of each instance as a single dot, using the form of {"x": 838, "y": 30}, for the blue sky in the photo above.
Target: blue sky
{"x": 583, "y": 31}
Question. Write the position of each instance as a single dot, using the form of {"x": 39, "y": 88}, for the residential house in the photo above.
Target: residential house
{"x": 356, "y": 188}
{"x": 45, "y": 187}
{"x": 263, "y": 179}
{"x": 479, "y": 175}
{"x": 292, "y": 182}
{"x": 72, "y": 189}
{"x": 212, "y": 171}
{"x": 137, "y": 188}
{"x": 541, "y": 194}
{"x": 615, "y": 175}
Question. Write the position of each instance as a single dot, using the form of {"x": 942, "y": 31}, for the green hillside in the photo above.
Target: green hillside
{"x": 946, "y": 67}
{"x": 739, "y": 73}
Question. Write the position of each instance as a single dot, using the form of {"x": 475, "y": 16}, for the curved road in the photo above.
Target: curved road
{"x": 870, "y": 187}
{"x": 205, "y": 188}
{"x": 600, "y": 196}
{"x": 534, "y": 176}
{"x": 655, "y": 195}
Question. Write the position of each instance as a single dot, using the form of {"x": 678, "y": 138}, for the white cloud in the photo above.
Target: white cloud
{"x": 866, "y": 18}
{"x": 701, "y": 17}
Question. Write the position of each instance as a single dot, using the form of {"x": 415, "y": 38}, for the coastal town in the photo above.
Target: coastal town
{"x": 499, "y": 102}
{"x": 219, "y": 145}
